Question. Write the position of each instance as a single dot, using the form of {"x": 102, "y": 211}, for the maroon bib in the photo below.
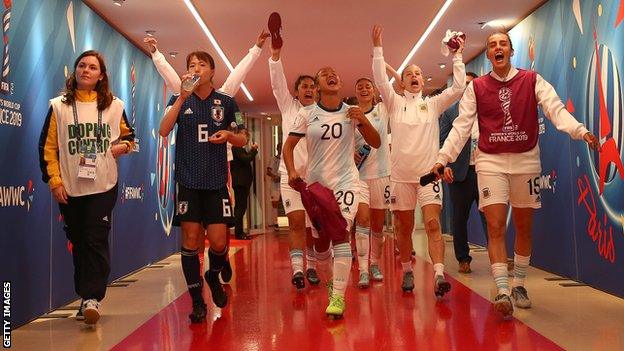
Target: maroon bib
{"x": 507, "y": 111}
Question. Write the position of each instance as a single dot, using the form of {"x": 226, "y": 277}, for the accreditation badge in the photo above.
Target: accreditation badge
{"x": 88, "y": 162}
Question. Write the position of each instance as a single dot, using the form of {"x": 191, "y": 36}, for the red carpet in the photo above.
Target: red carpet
{"x": 265, "y": 313}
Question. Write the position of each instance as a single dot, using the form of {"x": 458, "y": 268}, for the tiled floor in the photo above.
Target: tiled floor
{"x": 265, "y": 313}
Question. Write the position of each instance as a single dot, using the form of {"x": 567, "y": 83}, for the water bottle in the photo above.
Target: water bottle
{"x": 189, "y": 84}
{"x": 364, "y": 151}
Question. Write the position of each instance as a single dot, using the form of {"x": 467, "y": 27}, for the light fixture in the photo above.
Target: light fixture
{"x": 268, "y": 118}
{"x": 150, "y": 32}
{"x": 498, "y": 24}
{"x": 422, "y": 39}
{"x": 173, "y": 54}
{"x": 118, "y": 2}
{"x": 214, "y": 43}
{"x": 429, "y": 79}
{"x": 442, "y": 65}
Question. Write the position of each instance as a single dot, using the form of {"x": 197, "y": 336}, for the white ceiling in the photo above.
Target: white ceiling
{"x": 316, "y": 33}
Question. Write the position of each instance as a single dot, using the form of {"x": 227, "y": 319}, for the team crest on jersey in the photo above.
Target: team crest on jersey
{"x": 393, "y": 199}
{"x": 486, "y": 193}
{"x": 182, "y": 207}
{"x": 287, "y": 203}
{"x": 437, "y": 197}
{"x": 346, "y": 210}
{"x": 217, "y": 114}
{"x": 538, "y": 199}
{"x": 216, "y": 102}
{"x": 423, "y": 107}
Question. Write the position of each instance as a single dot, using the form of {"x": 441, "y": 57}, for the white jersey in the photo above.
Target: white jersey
{"x": 377, "y": 164}
{"x": 414, "y": 121}
{"x": 289, "y": 107}
{"x": 330, "y": 140}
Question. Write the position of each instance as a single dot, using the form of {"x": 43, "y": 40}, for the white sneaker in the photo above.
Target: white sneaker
{"x": 80, "y": 314}
{"x": 91, "y": 311}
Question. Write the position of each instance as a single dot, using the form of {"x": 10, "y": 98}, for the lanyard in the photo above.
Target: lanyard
{"x": 98, "y": 132}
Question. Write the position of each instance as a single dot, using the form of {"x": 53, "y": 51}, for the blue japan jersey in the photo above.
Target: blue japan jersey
{"x": 200, "y": 164}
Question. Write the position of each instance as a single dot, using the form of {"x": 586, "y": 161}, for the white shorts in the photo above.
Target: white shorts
{"x": 364, "y": 193}
{"x": 404, "y": 196}
{"x": 348, "y": 199}
{"x": 291, "y": 199}
{"x": 379, "y": 189}
{"x": 520, "y": 190}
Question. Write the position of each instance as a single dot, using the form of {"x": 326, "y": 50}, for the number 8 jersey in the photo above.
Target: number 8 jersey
{"x": 330, "y": 139}
{"x": 200, "y": 164}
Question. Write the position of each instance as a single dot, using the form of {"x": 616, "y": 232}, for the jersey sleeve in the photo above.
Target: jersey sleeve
{"x": 300, "y": 123}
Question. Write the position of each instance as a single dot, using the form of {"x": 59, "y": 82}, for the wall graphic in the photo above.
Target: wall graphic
{"x": 41, "y": 40}
{"x": 578, "y": 46}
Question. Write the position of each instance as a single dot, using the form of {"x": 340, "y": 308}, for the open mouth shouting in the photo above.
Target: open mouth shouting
{"x": 499, "y": 57}
{"x": 332, "y": 81}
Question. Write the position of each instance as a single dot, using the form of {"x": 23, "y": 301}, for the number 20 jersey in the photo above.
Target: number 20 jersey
{"x": 330, "y": 139}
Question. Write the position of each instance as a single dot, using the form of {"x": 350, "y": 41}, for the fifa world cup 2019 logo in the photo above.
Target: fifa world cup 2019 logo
{"x": 604, "y": 119}
{"x": 504, "y": 95}
{"x": 166, "y": 189}
{"x": 6, "y": 20}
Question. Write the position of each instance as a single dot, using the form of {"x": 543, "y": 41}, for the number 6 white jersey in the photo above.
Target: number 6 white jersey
{"x": 330, "y": 139}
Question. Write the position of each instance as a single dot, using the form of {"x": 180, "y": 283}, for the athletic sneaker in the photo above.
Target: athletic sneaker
{"x": 219, "y": 297}
{"x": 502, "y": 303}
{"x": 298, "y": 281}
{"x": 312, "y": 276}
{"x": 364, "y": 280}
{"x": 520, "y": 297}
{"x": 199, "y": 312}
{"x": 408, "y": 282}
{"x": 336, "y": 307}
{"x": 376, "y": 273}
{"x": 91, "y": 311}
{"x": 80, "y": 314}
{"x": 226, "y": 272}
{"x": 441, "y": 286}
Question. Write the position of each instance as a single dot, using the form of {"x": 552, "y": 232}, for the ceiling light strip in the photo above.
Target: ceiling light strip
{"x": 212, "y": 39}
{"x": 422, "y": 39}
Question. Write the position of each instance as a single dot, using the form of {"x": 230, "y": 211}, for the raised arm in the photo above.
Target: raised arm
{"x": 453, "y": 93}
{"x": 166, "y": 71}
{"x": 278, "y": 81}
{"x": 388, "y": 95}
{"x": 237, "y": 76}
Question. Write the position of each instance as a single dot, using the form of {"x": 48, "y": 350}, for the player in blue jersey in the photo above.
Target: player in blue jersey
{"x": 329, "y": 128}
{"x": 206, "y": 120}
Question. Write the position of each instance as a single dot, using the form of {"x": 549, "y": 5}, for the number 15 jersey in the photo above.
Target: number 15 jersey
{"x": 330, "y": 139}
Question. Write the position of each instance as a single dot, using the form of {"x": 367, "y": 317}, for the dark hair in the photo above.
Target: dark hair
{"x": 300, "y": 80}
{"x": 201, "y": 55}
{"x": 104, "y": 95}
{"x": 499, "y": 32}
{"x": 472, "y": 74}
{"x": 366, "y": 79}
